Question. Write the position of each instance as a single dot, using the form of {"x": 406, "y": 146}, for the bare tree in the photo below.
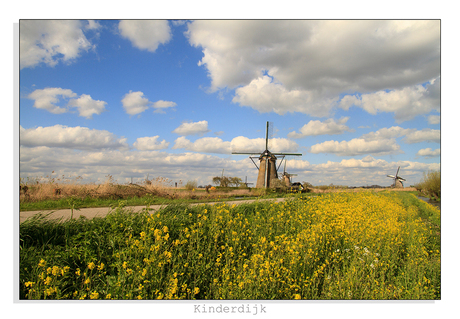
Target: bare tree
{"x": 227, "y": 181}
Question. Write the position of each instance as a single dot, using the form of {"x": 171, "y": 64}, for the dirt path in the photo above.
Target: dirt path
{"x": 102, "y": 211}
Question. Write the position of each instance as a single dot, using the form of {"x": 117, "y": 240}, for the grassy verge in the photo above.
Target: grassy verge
{"x": 68, "y": 202}
{"x": 364, "y": 245}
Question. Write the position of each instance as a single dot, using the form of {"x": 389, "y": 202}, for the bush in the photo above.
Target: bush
{"x": 431, "y": 184}
{"x": 191, "y": 185}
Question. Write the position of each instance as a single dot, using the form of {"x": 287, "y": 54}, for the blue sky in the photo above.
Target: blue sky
{"x": 172, "y": 99}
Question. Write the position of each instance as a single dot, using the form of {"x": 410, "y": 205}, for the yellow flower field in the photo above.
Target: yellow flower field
{"x": 364, "y": 245}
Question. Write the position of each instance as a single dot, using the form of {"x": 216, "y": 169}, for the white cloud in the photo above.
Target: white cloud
{"x": 405, "y": 103}
{"x": 150, "y": 143}
{"x": 313, "y": 62}
{"x": 434, "y": 119}
{"x": 238, "y": 144}
{"x": 93, "y": 25}
{"x": 329, "y": 127}
{"x": 62, "y": 136}
{"x": 425, "y": 135}
{"x": 357, "y": 146}
{"x": 387, "y": 133}
{"x": 381, "y": 142}
{"x": 264, "y": 95}
{"x": 192, "y": 128}
{"x": 145, "y": 34}
{"x": 47, "y": 98}
{"x": 51, "y": 41}
{"x": 204, "y": 145}
{"x": 122, "y": 164}
{"x": 161, "y": 105}
{"x": 135, "y": 102}
{"x": 410, "y": 135}
{"x": 296, "y": 165}
{"x": 428, "y": 152}
{"x": 257, "y": 145}
{"x": 87, "y": 106}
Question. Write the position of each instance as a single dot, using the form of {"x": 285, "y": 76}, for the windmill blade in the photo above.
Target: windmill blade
{"x": 401, "y": 179}
{"x": 270, "y": 129}
{"x": 398, "y": 170}
{"x": 288, "y": 154}
{"x": 246, "y": 153}
{"x": 390, "y": 176}
{"x": 266, "y": 137}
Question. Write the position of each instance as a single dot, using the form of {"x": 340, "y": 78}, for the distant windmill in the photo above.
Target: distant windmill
{"x": 287, "y": 176}
{"x": 398, "y": 180}
{"x": 267, "y": 163}
{"x": 147, "y": 181}
{"x": 246, "y": 182}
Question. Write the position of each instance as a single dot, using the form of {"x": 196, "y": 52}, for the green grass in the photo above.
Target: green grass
{"x": 368, "y": 245}
{"x": 66, "y": 203}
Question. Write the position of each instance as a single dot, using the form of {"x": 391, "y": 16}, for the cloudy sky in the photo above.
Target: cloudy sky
{"x": 173, "y": 99}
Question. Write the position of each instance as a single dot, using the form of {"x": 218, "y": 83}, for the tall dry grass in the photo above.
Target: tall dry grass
{"x": 55, "y": 189}
{"x": 51, "y": 188}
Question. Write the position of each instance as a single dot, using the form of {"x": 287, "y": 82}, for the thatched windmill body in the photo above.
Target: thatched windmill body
{"x": 398, "y": 180}
{"x": 267, "y": 163}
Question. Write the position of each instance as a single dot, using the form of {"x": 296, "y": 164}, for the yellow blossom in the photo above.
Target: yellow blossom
{"x": 48, "y": 280}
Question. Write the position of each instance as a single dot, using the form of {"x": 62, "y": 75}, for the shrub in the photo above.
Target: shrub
{"x": 431, "y": 184}
{"x": 191, "y": 185}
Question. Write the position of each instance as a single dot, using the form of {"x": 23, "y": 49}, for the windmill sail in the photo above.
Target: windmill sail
{"x": 397, "y": 180}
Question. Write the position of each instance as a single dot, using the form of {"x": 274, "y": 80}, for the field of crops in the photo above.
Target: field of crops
{"x": 365, "y": 245}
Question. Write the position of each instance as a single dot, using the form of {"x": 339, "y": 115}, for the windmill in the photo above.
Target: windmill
{"x": 267, "y": 163}
{"x": 398, "y": 180}
{"x": 287, "y": 176}
{"x": 246, "y": 182}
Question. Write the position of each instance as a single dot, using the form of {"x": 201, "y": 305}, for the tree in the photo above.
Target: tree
{"x": 226, "y": 181}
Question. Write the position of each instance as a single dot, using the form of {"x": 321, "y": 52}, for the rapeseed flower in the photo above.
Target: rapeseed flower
{"x": 48, "y": 280}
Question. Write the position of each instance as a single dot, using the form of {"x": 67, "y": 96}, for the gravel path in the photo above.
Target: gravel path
{"x": 102, "y": 211}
